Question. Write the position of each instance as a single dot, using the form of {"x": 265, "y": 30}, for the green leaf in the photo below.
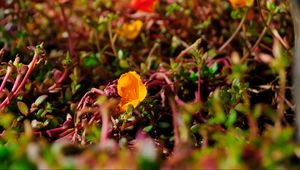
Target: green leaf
{"x": 241, "y": 108}
{"x": 23, "y": 108}
{"x": 213, "y": 69}
{"x": 24, "y": 164}
{"x": 67, "y": 60}
{"x": 257, "y": 111}
{"x": 91, "y": 61}
{"x": 144, "y": 163}
{"x": 271, "y": 6}
{"x": 236, "y": 14}
{"x": 148, "y": 128}
{"x": 195, "y": 128}
{"x": 212, "y": 52}
{"x": 4, "y": 152}
{"x": 194, "y": 76}
{"x": 39, "y": 113}
{"x": 120, "y": 54}
{"x": 124, "y": 64}
{"x": 172, "y": 8}
{"x": 163, "y": 124}
{"x": 40, "y": 100}
{"x": 231, "y": 118}
{"x": 285, "y": 136}
{"x": 6, "y": 120}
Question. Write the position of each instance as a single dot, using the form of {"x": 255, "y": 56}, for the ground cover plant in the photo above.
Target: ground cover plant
{"x": 146, "y": 84}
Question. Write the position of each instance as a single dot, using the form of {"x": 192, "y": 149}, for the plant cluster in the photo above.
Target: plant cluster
{"x": 146, "y": 84}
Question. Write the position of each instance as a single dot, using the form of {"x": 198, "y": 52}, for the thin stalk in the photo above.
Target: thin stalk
{"x": 16, "y": 83}
{"x": 83, "y": 136}
{"x": 105, "y": 126}
{"x": 31, "y": 66}
{"x": 70, "y": 37}
{"x": 280, "y": 98}
{"x": 187, "y": 50}
{"x": 111, "y": 39}
{"x": 30, "y": 69}
{"x": 262, "y": 34}
{"x": 175, "y": 114}
{"x": 65, "y": 133}
{"x": 8, "y": 72}
{"x": 250, "y": 118}
{"x": 235, "y": 32}
{"x": 60, "y": 80}
{"x": 70, "y": 46}
{"x": 54, "y": 131}
{"x": 273, "y": 31}
{"x": 149, "y": 58}
{"x": 97, "y": 41}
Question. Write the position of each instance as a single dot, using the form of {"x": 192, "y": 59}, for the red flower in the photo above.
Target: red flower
{"x": 143, "y": 5}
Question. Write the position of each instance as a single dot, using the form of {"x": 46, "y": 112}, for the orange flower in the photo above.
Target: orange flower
{"x": 131, "y": 89}
{"x": 131, "y": 30}
{"x": 241, "y": 3}
{"x": 143, "y": 5}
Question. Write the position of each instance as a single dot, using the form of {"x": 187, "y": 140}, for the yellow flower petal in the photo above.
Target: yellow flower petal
{"x": 134, "y": 103}
{"x": 131, "y": 30}
{"x": 131, "y": 89}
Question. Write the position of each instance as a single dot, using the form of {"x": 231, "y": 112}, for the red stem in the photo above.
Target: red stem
{"x": 31, "y": 67}
{"x": 51, "y": 132}
{"x": 60, "y": 80}
{"x": 17, "y": 82}
{"x": 70, "y": 46}
{"x": 65, "y": 133}
{"x": 32, "y": 64}
{"x": 5, "y": 103}
{"x": 105, "y": 127}
{"x": 5, "y": 78}
{"x": 70, "y": 39}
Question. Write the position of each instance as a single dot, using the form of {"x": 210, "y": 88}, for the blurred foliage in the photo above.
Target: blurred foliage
{"x": 206, "y": 107}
